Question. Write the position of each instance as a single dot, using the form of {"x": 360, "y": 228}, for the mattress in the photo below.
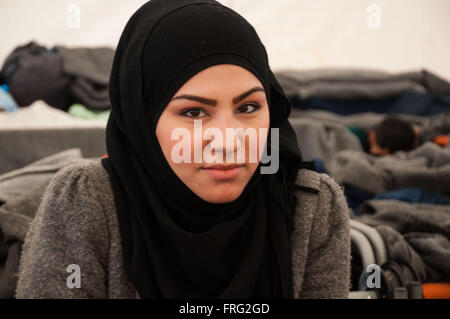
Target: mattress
{"x": 38, "y": 130}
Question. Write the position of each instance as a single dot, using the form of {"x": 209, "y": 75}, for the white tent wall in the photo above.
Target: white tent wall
{"x": 302, "y": 34}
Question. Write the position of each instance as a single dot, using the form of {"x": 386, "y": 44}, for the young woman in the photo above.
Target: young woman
{"x": 140, "y": 223}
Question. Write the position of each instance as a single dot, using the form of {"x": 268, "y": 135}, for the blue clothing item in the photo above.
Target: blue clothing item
{"x": 424, "y": 104}
{"x": 344, "y": 107}
{"x": 355, "y": 197}
{"x": 361, "y": 135}
{"x": 411, "y": 195}
{"x": 414, "y": 195}
{"x": 5, "y": 87}
{"x": 320, "y": 166}
{"x": 7, "y": 103}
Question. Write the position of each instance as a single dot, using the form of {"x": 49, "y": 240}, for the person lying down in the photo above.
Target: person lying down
{"x": 394, "y": 134}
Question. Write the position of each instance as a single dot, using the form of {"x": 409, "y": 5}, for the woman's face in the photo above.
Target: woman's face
{"x": 219, "y": 97}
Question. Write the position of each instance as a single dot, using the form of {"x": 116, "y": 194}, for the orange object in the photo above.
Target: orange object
{"x": 436, "y": 291}
{"x": 441, "y": 140}
{"x": 105, "y": 156}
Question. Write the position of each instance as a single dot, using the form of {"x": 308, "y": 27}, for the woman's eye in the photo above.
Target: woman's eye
{"x": 248, "y": 108}
{"x": 194, "y": 113}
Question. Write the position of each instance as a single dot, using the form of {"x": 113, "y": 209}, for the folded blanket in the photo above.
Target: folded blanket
{"x": 60, "y": 76}
{"x": 93, "y": 64}
{"x": 89, "y": 69}
{"x": 435, "y": 126}
{"x": 365, "y": 120}
{"x": 415, "y": 233}
{"x": 20, "y": 195}
{"x": 426, "y": 167}
{"x": 35, "y": 73}
{"x": 422, "y": 104}
{"x": 358, "y": 83}
{"x": 321, "y": 139}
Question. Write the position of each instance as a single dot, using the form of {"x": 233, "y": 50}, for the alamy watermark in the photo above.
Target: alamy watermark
{"x": 374, "y": 19}
{"x": 73, "y": 20}
{"x": 373, "y": 279}
{"x": 74, "y": 279}
{"x": 232, "y": 147}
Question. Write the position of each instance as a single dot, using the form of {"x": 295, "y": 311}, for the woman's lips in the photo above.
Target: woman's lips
{"x": 224, "y": 171}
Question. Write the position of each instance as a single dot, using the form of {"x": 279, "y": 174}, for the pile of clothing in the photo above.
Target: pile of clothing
{"x": 7, "y": 102}
{"x": 405, "y": 195}
{"x": 350, "y": 91}
{"x": 416, "y": 234}
{"x": 60, "y": 76}
{"x": 21, "y": 191}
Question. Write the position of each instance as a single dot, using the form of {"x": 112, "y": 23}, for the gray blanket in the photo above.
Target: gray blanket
{"x": 89, "y": 69}
{"x": 436, "y": 125}
{"x": 321, "y": 139}
{"x": 93, "y": 64}
{"x": 357, "y": 83}
{"x": 364, "y": 120}
{"x": 416, "y": 234}
{"x": 20, "y": 194}
{"x": 426, "y": 167}
{"x": 22, "y": 147}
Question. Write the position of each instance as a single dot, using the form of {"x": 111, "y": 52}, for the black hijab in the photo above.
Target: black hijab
{"x": 175, "y": 244}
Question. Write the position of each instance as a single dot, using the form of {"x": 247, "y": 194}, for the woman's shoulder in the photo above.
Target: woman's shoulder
{"x": 317, "y": 183}
{"x": 79, "y": 194}
{"x": 87, "y": 181}
{"x": 88, "y": 174}
{"x": 321, "y": 197}
{"x": 321, "y": 237}
{"x": 72, "y": 227}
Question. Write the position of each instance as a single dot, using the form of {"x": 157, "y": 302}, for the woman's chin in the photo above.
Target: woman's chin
{"x": 221, "y": 195}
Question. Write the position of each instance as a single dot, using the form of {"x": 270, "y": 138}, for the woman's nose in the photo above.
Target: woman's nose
{"x": 230, "y": 139}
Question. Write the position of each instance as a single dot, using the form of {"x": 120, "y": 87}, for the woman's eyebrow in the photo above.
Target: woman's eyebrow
{"x": 211, "y": 102}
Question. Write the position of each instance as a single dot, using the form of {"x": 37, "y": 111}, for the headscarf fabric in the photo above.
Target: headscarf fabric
{"x": 174, "y": 243}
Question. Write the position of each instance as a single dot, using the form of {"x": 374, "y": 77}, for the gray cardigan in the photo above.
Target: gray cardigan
{"x": 76, "y": 223}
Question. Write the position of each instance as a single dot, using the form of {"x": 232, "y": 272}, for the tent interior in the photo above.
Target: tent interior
{"x": 347, "y": 69}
